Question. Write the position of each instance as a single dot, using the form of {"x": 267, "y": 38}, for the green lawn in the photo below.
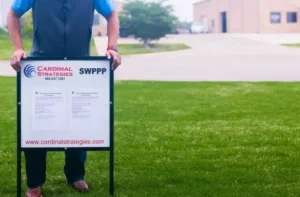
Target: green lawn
{"x": 130, "y": 49}
{"x": 183, "y": 140}
{"x": 6, "y": 47}
{"x": 292, "y": 45}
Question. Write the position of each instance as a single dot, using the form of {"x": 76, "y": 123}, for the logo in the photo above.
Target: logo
{"x": 29, "y": 71}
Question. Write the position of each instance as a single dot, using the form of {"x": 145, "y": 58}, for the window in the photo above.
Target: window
{"x": 275, "y": 17}
{"x": 291, "y": 17}
{"x": 96, "y": 19}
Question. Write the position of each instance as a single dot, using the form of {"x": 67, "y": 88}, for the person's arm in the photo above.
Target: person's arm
{"x": 106, "y": 9}
{"x": 14, "y": 29}
{"x": 18, "y": 8}
{"x": 113, "y": 25}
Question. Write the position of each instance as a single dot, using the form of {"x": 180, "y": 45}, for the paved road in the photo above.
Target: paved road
{"x": 5, "y": 69}
{"x": 272, "y": 38}
{"x": 215, "y": 58}
{"x": 212, "y": 58}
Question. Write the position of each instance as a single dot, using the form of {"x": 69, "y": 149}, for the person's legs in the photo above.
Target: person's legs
{"x": 35, "y": 167}
{"x": 75, "y": 165}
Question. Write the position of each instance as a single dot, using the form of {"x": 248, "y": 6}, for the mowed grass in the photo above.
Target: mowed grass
{"x": 182, "y": 140}
{"x": 131, "y": 49}
{"x": 7, "y": 49}
{"x": 296, "y": 45}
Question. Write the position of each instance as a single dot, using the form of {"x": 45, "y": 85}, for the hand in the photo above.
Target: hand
{"x": 116, "y": 57}
{"x": 15, "y": 60}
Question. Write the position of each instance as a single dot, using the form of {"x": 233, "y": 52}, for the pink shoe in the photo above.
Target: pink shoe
{"x": 81, "y": 186}
{"x": 34, "y": 192}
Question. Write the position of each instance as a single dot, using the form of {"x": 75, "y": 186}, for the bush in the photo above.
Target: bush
{"x": 27, "y": 28}
{"x": 3, "y": 32}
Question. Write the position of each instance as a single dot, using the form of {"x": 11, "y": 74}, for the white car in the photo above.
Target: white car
{"x": 198, "y": 28}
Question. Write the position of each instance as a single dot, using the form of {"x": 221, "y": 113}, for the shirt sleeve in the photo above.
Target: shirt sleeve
{"x": 104, "y": 7}
{"x": 21, "y": 6}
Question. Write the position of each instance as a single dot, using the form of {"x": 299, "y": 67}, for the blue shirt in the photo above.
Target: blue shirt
{"x": 103, "y": 7}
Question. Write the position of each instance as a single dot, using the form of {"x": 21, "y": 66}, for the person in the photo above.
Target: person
{"x": 60, "y": 28}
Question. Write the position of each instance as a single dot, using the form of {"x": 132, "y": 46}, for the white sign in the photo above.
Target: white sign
{"x": 65, "y": 104}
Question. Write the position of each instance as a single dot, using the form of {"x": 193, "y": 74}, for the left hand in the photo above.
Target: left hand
{"x": 116, "y": 57}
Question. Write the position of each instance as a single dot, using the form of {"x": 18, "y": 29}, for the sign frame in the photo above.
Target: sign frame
{"x": 111, "y": 117}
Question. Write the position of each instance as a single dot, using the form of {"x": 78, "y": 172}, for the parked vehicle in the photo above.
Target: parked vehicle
{"x": 198, "y": 28}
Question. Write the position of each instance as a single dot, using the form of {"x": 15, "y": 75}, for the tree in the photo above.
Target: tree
{"x": 147, "y": 21}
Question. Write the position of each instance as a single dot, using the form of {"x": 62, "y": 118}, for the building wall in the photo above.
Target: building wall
{"x": 282, "y": 6}
{"x": 207, "y": 10}
{"x": 235, "y": 11}
{"x": 249, "y": 16}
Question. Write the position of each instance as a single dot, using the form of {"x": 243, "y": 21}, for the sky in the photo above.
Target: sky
{"x": 183, "y": 8}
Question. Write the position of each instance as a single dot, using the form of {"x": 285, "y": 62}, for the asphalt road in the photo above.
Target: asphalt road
{"x": 215, "y": 58}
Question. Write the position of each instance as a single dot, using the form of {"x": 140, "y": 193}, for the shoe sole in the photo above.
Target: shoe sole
{"x": 79, "y": 190}
{"x": 40, "y": 196}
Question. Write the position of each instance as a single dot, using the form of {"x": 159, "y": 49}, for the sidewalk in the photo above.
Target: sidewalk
{"x": 6, "y": 69}
{"x": 272, "y": 38}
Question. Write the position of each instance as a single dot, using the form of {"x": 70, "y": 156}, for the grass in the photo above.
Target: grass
{"x": 183, "y": 140}
{"x": 6, "y": 47}
{"x": 130, "y": 49}
{"x": 292, "y": 45}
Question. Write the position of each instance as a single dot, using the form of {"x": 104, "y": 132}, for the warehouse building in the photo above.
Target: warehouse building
{"x": 248, "y": 16}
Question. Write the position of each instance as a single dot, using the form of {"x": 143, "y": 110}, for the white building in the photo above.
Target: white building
{"x": 4, "y": 8}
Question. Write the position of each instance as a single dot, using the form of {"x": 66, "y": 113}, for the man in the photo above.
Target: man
{"x": 61, "y": 28}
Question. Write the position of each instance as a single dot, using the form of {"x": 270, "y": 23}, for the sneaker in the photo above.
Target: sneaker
{"x": 81, "y": 186}
{"x": 34, "y": 192}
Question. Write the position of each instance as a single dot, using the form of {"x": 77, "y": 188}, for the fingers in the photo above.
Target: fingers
{"x": 117, "y": 62}
{"x": 108, "y": 55}
{"x": 116, "y": 58}
{"x": 18, "y": 58}
{"x": 24, "y": 55}
{"x": 15, "y": 61}
{"x": 18, "y": 63}
{"x": 114, "y": 65}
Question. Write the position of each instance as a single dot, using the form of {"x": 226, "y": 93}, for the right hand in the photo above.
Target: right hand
{"x": 15, "y": 60}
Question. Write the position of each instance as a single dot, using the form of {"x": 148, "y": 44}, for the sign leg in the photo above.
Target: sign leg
{"x": 111, "y": 173}
{"x": 111, "y": 152}
{"x": 19, "y": 177}
{"x": 19, "y": 152}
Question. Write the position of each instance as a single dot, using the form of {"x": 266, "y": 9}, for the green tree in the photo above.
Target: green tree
{"x": 147, "y": 21}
